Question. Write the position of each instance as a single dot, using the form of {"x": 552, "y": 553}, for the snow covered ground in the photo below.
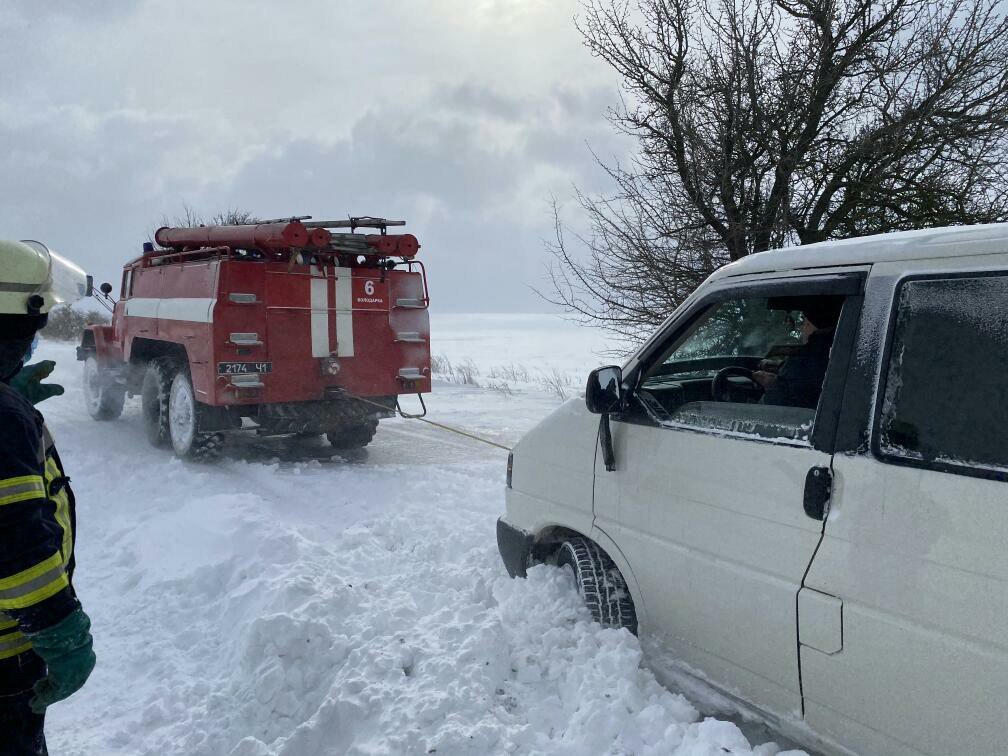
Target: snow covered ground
{"x": 357, "y": 605}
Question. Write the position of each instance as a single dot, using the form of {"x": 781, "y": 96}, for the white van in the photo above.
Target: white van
{"x": 799, "y": 487}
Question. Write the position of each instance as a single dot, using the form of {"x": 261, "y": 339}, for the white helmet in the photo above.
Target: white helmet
{"x": 33, "y": 279}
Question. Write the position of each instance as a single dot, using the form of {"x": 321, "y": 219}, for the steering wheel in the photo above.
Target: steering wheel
{"x": 721, "y": 390}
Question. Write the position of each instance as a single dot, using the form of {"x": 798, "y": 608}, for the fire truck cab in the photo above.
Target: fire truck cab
{"x": 291, "y": 325}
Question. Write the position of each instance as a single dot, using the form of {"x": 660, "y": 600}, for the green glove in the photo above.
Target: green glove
{"x": 67, "y": 651}
{"x": 28, "y": 382}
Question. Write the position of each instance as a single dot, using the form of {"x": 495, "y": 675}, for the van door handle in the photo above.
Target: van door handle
{"x": 818, "y": 487}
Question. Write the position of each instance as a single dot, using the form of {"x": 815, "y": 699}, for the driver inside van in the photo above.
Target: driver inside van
{"x": 798, "y": 381}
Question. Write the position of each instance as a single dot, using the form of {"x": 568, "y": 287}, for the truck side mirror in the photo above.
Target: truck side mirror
{"x": 106, "y": 288}
{"x": 89, "y": 286}
{"x": 604, "y": 392}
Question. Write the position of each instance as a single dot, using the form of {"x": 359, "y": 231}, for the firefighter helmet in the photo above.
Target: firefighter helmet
{"x": 33, "y": 279}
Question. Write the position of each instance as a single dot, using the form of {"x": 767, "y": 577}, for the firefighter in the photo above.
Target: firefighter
{"x": 45, "y": 640}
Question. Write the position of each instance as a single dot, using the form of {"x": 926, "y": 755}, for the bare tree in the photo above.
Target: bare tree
{"x": 766, "y": 123}
{"x": 65, "y": 323}
{"x": 232, "y": 217}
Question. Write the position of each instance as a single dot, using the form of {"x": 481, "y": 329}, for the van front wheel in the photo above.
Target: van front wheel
{"x": 599, "y": 582}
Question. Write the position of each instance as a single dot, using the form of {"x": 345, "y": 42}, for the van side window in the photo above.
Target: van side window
{"x": 752, "y": 366}
{"x": 945, "y": 402}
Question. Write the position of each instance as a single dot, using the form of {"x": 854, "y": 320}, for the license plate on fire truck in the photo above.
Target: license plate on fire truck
{"x": 240, "y": 368}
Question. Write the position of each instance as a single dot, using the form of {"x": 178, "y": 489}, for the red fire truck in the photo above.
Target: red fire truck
{"x": 299, "y": 326}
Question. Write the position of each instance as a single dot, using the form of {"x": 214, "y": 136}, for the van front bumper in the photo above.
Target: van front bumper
{"x": 515, "y": 546}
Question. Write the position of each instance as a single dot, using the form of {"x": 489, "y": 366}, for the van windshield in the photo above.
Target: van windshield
{"x": 749, "y": 365}
{"x": 736, "y": 328}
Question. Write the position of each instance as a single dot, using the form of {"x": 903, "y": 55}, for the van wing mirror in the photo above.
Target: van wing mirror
{"x": 604, "y": 392}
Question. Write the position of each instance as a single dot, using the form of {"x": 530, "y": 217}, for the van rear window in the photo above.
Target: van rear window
{"x": 945, "y": 402}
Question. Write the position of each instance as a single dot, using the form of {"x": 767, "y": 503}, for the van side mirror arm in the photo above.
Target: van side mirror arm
{"x": 604, "y": 394}
{"x": 605, "y": 441}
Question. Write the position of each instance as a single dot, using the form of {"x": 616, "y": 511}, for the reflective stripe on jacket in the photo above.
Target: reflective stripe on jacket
{"x": 37, "y": 521}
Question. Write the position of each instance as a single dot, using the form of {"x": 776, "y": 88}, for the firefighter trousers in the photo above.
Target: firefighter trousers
{"x": 20, "y": 728}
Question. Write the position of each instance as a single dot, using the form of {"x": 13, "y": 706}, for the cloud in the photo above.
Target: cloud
{"x": 462, "y": 119}
{"x": 480, "y": 99}
{"x": 476, "y": 189}
{"x": 25, "y": 12}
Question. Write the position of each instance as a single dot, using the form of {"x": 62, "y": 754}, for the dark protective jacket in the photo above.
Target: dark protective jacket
{"x": 800, "y": 378}
{"x": 37, "y": 524}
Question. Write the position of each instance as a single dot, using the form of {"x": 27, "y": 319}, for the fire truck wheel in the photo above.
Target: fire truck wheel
{"x": 154, "y": 400}
{"x": 353, "y": 436}
{"x": 102, "y": 394}
{"x": 183, "y": 423}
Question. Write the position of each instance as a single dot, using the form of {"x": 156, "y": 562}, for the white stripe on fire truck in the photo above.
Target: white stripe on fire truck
{"x": 344, "y": 313}
{"x": 192, "y": 309}
{"x": 319, "y": 313}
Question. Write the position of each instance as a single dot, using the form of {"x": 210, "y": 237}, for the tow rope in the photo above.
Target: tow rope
{"x": 407, "y": 416}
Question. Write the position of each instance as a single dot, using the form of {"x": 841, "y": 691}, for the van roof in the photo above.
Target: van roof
{"x": 950, "y": 241}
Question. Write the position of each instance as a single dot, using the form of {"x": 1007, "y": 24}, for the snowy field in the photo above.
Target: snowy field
{"x": 280, "y": 605}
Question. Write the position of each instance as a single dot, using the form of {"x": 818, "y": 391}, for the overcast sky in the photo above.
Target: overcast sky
{"x": 464, "y": 117}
